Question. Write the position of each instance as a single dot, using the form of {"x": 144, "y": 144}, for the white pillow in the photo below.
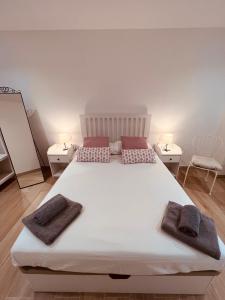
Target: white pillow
{"x": 115, "y": 148}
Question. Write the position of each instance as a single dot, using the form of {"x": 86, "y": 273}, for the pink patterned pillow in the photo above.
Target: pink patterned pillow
{"x": 134, "y": 156}
{"x": 134, "y": 142}
{"x": 96, "y": 141}
{"x": 98, "y": 154}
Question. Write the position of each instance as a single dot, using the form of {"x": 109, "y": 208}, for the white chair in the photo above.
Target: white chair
{"x": 205, "y": 148}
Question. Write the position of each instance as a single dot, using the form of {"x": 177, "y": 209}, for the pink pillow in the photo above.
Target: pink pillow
{"x": 96, "y": 141}
{"x": 134, "y": 156}
{"x": 134, "y": 142}
{"x": 101, "y": 154}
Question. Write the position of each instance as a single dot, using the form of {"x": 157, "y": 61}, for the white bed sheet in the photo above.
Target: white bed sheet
{"x": 118, "y": 230}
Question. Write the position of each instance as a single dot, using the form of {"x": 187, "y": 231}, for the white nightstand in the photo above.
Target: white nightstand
{"x": 59, "y": 158}
{"x": 171, "y": 158}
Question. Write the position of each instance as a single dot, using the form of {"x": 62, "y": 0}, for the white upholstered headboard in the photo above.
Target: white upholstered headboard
{"x": 115, "y": 125}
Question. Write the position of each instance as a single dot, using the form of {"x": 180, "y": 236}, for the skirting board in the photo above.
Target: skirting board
{"x": 166, "y": 284}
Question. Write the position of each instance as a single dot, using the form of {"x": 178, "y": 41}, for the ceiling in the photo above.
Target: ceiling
{"x": 110, "y": 14}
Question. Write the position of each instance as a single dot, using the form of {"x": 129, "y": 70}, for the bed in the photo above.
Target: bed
{"x": 116, "y": 244}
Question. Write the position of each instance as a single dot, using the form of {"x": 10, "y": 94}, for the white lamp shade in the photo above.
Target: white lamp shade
{"x": 64, "y": 137}
{"x": 167, "y": 138}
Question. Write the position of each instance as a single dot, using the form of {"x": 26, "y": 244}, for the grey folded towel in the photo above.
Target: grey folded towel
{"x": 206, "y": 241}
{"x": 190, "y": 218}
{"x": 54, "y": 228}
{"x": 50, "y": 209}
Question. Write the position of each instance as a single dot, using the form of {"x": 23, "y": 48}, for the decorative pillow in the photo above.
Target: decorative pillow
{"x": 115, "y": 148}
{"x": 96, "y": 141}
{"x": 134, "y": 156}
{"x": 97, "y": 154}
{"x": 134, "y": 142}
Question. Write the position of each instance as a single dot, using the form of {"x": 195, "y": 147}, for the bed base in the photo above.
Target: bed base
{"x": 45, "y": 280}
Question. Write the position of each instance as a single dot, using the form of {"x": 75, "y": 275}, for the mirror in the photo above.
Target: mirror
{"x": 18, "y": 139}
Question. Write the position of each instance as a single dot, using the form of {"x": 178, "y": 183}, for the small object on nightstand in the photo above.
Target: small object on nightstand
{"x": 59, "y": 158}
{"x": 167, "y": 140}
{"x": 65, "y": 139}
{"x": 171, "y": 158}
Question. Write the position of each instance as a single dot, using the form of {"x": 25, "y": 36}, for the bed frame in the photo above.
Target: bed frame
{"x": 45, "y": 280}
{"x": 115, "y": 125}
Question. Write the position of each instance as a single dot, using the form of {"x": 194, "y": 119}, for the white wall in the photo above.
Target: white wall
{"x": 110, "y": 14}
{"x": 177, "y": 75}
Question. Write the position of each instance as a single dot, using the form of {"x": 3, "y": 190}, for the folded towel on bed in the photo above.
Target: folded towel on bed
{"x": 54, "y": 228}
{"x": 190, "y": 218}
{"x": 50, "y": 209}
{"x": 206, "y": 241}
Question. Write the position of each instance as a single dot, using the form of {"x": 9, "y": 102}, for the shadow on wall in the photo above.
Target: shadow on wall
{"x": 40, "y": 138}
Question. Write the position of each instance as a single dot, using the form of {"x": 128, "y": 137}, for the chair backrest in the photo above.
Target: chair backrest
{"x": 207, "y": 145}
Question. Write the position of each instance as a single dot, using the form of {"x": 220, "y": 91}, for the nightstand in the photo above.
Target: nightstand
{"x": 170, "y": 158}
{"x": 59, "y": 158}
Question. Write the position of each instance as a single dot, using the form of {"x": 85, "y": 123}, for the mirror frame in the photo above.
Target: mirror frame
{"x": 7, "y": 90}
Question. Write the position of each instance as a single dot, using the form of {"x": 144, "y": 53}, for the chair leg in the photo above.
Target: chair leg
{"x": 177, "y": 171}
{"x": 214, "y": 180}
{"x": 186, "y": 174}
{"x": 207, "y": 175}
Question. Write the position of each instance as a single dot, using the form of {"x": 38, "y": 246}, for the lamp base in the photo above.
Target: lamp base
{"x": 65, "y": 147}
{"x": 166, "y": 148}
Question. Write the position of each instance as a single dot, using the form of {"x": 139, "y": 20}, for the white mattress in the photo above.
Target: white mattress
{"x": 119, "y": 228}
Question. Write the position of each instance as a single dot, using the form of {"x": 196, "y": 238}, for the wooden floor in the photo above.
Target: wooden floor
{"x": 14, "y": 203}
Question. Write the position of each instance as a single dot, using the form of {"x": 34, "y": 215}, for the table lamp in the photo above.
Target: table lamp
{"x": 167, "y": 139}
{"x": 64, "y": 138}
